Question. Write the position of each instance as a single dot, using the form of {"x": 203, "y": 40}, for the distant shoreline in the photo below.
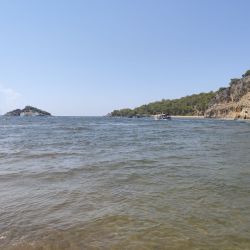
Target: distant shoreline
{"x": 202, "y": 117}
{"x": 188, "y": 116}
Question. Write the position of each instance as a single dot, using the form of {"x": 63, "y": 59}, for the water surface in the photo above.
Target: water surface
{"x": 106, "y": 183}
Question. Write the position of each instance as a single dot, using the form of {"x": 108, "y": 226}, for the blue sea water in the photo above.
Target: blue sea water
{"x": 116, "y": 183}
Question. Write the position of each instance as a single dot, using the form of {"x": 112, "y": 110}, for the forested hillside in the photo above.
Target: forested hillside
{"x": 190, "y": 105}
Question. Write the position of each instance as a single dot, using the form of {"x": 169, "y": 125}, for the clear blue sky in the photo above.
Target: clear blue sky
{"x": 90, "y": 57}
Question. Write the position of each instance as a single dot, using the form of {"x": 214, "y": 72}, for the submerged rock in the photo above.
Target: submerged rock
{"x": 28, "y": 111}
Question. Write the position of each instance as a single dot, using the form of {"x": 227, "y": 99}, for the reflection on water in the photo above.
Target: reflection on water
{"x": 106, "y": 183}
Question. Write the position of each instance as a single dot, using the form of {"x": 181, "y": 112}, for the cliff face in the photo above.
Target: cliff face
{"x": 28, "y": 111}
{"x": 232, "y": 102}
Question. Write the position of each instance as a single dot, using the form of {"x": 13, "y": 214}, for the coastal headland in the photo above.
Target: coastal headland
{"x": 232, "y": 102}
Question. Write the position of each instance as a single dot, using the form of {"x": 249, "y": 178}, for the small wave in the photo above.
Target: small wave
{"x": 76, "y": 129}
{"x": 51, "y": 155}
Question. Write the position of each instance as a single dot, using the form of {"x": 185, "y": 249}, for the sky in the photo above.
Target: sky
{"x": 80, "y": 57}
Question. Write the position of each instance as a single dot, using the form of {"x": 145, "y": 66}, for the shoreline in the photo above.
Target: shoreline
{"x": 210, "y": 118}
{"x": 187, "y": 116}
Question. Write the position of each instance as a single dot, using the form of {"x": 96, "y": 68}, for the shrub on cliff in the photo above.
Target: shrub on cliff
{"x": 234, "y": 81}
{"x": 246, "y": 74}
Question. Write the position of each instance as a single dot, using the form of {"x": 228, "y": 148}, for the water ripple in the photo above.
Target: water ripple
{"x": 106, "y": 183}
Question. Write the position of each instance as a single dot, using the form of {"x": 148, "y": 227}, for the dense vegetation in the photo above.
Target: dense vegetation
{"x": 246, "y": 74}
{"x": 189, "y": 105}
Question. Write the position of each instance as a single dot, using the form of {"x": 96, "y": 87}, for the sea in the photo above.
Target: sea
{"x": 116, "y": 183}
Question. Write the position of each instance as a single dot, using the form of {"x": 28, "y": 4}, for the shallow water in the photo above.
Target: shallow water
{"x": 106, "y": 183}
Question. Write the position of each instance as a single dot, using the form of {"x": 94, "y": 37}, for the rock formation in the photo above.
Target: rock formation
{"x": 232, "y": 102}
{"x": 28, "y": 111}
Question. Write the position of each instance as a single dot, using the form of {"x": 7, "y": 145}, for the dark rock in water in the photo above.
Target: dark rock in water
{"x": 28, "y": 111}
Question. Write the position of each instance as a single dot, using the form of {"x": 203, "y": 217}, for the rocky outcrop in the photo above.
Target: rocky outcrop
{"x": 232, "y": 102}
{"x": 28, "y": 111}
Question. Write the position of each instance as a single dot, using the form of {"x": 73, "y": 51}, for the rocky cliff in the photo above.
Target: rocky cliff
{"x": 232, "y": 102}
{"x": 28, "y": 111}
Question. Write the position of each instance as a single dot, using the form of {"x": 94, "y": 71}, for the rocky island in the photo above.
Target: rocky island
{"x": 28, "y": 111}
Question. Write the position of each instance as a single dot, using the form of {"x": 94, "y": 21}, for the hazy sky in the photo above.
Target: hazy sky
{"x": 90, "y": 57}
